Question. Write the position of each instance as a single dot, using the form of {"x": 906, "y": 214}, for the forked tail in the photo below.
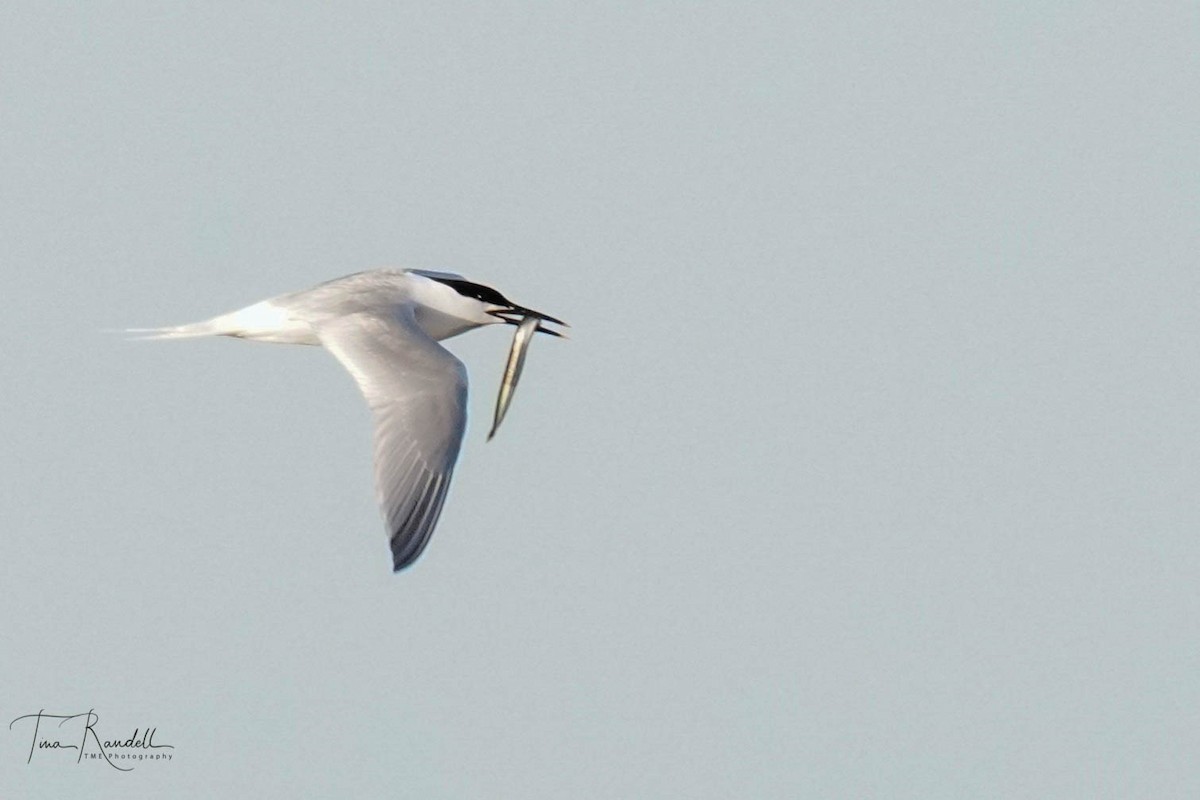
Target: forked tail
{"x": 193, "y": 330}
{"x": 264, "y": 322}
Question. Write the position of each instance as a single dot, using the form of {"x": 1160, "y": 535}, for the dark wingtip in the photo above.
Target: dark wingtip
{"x": 400, "y": 560}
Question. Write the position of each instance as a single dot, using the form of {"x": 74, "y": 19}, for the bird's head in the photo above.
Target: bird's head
{"x": 494, "y": 307}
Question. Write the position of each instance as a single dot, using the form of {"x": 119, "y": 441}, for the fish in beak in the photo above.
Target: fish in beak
{"x": 528, "y": 323}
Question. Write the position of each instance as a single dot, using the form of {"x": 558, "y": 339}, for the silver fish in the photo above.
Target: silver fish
{"x": 512, "y": 371}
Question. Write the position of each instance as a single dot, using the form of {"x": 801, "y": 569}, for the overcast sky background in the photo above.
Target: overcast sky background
{"x": 871, "y": 469}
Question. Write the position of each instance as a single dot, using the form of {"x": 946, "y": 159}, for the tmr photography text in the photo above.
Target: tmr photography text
{"x": 77, "y": 735}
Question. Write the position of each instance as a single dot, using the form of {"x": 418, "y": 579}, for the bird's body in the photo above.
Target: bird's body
{"x": 384, "y": 327}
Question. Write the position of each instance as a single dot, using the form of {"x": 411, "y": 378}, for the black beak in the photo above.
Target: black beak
{"x": 514, "y": 315}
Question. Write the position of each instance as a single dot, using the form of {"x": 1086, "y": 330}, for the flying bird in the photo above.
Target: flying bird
{"x": 384, "y": 327}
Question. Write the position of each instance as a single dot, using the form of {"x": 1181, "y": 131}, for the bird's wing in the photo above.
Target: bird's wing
{"x": 417, "y": 392}
{"x": 428, "y": 273}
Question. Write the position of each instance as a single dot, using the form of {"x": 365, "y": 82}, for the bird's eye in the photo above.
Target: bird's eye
{"x": 475, "y": 291}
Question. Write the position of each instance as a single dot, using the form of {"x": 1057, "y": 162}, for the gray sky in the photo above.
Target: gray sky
{"x": 870, "y": 470}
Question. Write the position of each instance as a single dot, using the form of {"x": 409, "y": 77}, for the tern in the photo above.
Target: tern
{"x": 384, "y": 327}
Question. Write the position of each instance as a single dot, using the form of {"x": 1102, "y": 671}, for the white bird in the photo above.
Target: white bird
{"x": 384, "y": 327}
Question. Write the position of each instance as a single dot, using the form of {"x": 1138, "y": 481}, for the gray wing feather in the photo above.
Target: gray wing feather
{"x": 417, "y": 392}
{"x": 429, "y": 273}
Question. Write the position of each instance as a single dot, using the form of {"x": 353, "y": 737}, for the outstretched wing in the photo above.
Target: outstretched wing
{"x": 417, "y": 392}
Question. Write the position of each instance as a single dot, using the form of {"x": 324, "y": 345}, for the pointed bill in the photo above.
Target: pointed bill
{"x": 512, "y": 371}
